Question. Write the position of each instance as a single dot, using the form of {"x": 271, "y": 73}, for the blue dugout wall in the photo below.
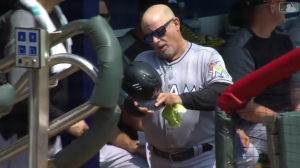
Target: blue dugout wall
{"x": 124, "y": 14}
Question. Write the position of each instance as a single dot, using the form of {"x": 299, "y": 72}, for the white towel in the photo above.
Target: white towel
{"x": 44, "y": 20}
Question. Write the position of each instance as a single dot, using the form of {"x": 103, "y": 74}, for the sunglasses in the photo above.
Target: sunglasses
{"x": 105, "y": 15}
{"x": 158, "y": 33}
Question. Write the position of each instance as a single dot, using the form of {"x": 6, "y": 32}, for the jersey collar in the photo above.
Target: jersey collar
{"x": 180, "y": 58}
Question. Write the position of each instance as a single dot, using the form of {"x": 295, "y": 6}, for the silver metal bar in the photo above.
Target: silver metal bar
{"x": 67, "y": 31}
{"x": 39, "y": 108}
{"x": 7, "y": 63}
{"x": 56, "y": 126}
{"x": 63, "y": 74}
{"x": 73, "y": 59}
{"x": 22, "y": 83}
{"x": 63, "y": 122}
{"x": 20, "y": 86}
{"x": 76, "y": 61}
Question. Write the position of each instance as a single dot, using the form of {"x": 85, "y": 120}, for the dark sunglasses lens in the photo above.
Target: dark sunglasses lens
{"x": 159, "y": 32}
{"x": 148, "y": 38}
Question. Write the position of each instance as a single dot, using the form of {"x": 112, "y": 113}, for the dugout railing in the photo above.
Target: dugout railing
{"x": 283, "y": 136}
{"x": 226, "y": 141}
{"x": 102, "y": 104}
{"x": 283, "y": 130}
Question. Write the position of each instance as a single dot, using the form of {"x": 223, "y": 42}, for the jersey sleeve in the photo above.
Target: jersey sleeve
{"x": 216, "y": 70}
{"x": 238, "y": 61}
{"x": 19, "y": 18}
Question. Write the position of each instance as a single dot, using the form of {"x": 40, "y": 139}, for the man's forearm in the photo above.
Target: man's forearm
{"x": 253, "y": 112}
{"x": 121, "y": 140}
{"x": 205, "y": 99}
{"x": 295, "y": 98}
{"x": 134, "y": 122}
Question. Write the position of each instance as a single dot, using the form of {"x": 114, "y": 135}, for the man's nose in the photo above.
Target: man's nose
{"x": 156, "y": 40}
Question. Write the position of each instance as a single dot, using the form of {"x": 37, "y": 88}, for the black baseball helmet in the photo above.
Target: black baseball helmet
{"x": 142, "y": 83}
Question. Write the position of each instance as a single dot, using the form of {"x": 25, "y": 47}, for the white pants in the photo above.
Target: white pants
{"x": 258, "y": 135}
{"x": 22, "y": 160}
{"x": 205, "y": 160}
{"x": 114, "y": 157}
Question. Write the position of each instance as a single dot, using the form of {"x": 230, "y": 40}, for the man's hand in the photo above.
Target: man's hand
{"x": 168, "y": 99}
{"x": 163, "y": 98}
{"x": 78, "y": 128}
{"x": 245, "y": 139}
{"x": 143, "y": 109}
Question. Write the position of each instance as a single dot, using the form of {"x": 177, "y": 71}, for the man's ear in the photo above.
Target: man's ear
{"x": 176, "y": 22}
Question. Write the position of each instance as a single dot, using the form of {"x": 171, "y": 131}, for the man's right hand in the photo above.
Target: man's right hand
{"x": 78, "y": 128}
{"x": 143, "y": 109}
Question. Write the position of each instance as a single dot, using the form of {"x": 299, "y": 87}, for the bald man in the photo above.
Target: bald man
{"x": 192, "y": 75}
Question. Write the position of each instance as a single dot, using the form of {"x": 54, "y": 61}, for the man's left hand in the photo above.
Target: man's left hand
{"x": 168, "y": 99}
{"x": 245, "y": 139}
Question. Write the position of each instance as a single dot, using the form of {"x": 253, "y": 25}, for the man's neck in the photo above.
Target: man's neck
{"x": 262, "y": 28}
{"x": 184, "y": 45}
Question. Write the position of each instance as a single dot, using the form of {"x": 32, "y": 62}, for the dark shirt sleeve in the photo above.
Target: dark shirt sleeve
{"x": 205, "y": 99}
{"x": 238, "y": 61}
{"x": 54, "y": 112}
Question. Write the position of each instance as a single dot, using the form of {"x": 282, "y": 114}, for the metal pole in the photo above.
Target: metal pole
{"x": 39, "y": 108}
{"x": 61, "y": 123}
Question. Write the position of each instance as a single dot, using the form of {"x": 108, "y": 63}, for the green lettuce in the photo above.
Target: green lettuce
{"x": 172, "y": 115}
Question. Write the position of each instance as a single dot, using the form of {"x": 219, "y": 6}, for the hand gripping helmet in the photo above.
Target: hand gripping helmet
{"x": 142, "y": 83}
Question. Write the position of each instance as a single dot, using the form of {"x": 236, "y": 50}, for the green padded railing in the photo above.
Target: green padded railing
{"x": 288, "y": 127}
{"x": 225, "y": 135}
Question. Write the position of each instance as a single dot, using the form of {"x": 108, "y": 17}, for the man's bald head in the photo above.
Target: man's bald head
{"x": 162, "y": 29}
{"x": 157, "y": 14}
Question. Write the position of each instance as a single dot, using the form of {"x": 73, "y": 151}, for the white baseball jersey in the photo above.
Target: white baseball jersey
{"x": 197, "y": 68}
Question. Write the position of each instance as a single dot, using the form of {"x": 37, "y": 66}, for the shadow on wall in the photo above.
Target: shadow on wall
{"x": 124, "y": 14}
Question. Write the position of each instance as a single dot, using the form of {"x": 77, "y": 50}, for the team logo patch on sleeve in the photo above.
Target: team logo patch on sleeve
{"x": 217, "y": 70}
{"x": 296, "y": 44}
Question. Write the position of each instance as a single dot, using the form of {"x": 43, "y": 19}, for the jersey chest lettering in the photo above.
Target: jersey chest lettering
{"x": 174, "y": 89}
